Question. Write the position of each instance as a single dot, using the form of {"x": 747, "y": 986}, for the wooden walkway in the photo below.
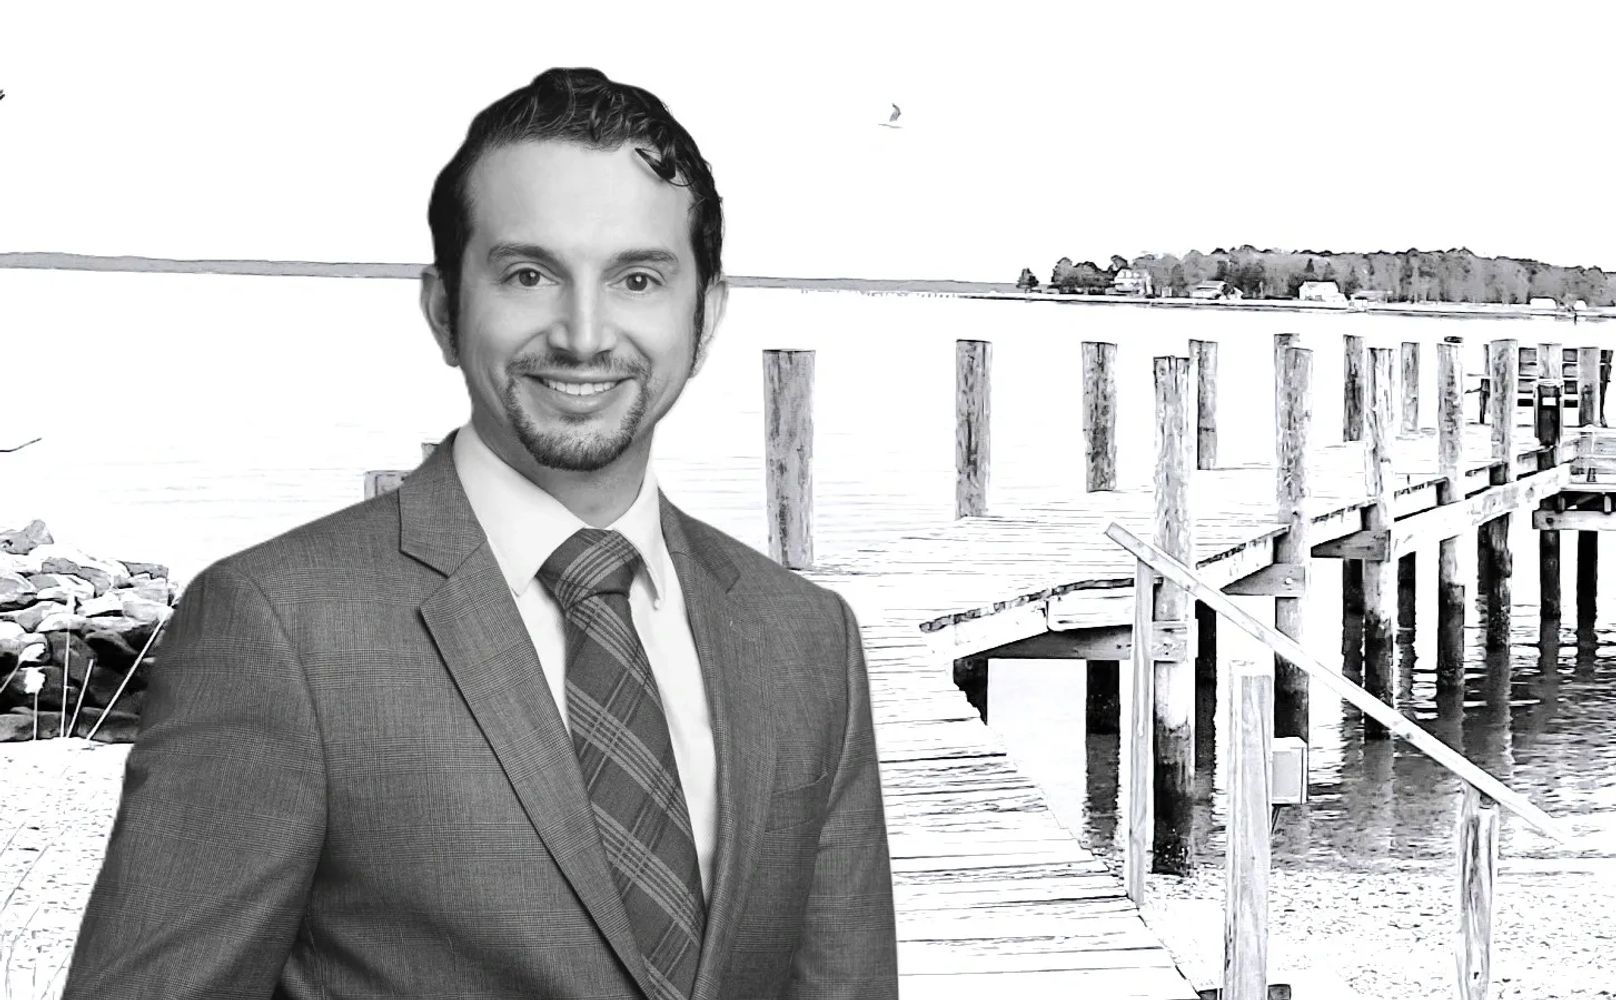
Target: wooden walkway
{"x": 992, "y": 893}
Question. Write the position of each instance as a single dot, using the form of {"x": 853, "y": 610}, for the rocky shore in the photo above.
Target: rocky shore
{"x": 83, "y": 625}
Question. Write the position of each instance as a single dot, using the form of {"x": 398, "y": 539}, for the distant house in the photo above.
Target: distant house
{"x": 1215, "y": 291}
{"x": 1542, "y": 302}
{"x": 1130, "y": 282}
{"x": 1370, "y": 295}
{"x": 1320, "y": 291}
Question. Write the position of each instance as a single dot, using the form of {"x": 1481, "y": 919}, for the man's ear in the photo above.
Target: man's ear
{"x": 439, "y": 314}
{"x": 712, "y": 314}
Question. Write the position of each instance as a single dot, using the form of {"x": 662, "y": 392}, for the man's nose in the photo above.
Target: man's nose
{"x": 584, "y": 328}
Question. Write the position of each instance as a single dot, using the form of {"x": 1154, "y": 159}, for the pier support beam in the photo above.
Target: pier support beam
{"x": 972, "y": 432}
{"x": 1589, "y": 406}
{"x": 1352, "y": 429}
{"x": 971, "y": 676}
{"x": 1495, "y": 564}
{"x": 1380, "y": 576}
{"x": 788, "y": 420}
{"x": 1409, "y": 358}
{"x": 1174, "y": 680}
{"x": 1204, "y": 362}
{"x": 1549, "y": 424}
{"x": 1450, "y": 585}
{"x": 1104, "y": 699}
{"x": 1293, "y": 418}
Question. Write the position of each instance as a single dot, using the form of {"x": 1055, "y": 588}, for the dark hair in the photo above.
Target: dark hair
{"x": 584, "y": 107}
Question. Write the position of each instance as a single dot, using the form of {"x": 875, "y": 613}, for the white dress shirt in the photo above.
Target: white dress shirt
{"x": 525, "y": 525}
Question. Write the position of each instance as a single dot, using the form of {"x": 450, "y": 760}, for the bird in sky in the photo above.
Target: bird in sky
{"x": 891, "y": 121}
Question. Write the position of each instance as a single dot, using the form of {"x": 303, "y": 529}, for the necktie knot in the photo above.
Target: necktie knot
{"x": 593, "y": 561}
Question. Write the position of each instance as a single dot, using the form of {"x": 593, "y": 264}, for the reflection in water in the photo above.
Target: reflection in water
{"x": 1536, "y": 714}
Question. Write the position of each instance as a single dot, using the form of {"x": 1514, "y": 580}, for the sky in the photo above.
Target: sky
{"x": 313, "y": 131}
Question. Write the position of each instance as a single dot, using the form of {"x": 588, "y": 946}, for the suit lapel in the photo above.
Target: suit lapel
{"x": 485, "y": 644}
{"x": 730, "y": 647}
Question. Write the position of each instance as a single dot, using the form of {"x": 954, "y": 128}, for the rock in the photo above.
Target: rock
{"x": 24, "y": 540}
{"x": 112, "y": 650}
{"x": 143, "y": 610}
{"x": 16, "y": 727}
{"x": 58, "y": 644}
{"x": 22, "y": 565}
{"x": 11, "y": 631}
{"x": 120, "y": 726}
{"x": 30, "y": 617}
{"x": 16, "y": 592}
{"x": 63, "y": 622}
{"x": 80, "y": 588}
{"x": 107, "y": 604}
{"x": 65, "y": 559}
{"x": 156, "y": 591}
{"x": 131, "y": 630}
{"x": 65, "y": 595}
{"x": 34, "y": 649}
{"x": 156, "y": 571}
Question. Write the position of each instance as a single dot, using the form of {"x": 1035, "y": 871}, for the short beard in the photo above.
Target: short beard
{"x": 574, "y": 453}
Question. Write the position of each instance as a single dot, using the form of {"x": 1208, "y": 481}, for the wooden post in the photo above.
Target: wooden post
{"x": 1588, "y": 409}
{"x": 1450, "y": 585}
{"x": 1587, "y": 386}
{"x": 1104, "y": 699}
{"x": 1379, "y": 576}
{"x": 971, "y": 676}
{"x": 1410, "y": 358}
{"x": 1549, "y": 420}
{"x": 1352, "y": 570}
{"x": 1137, "y": 799}
{"x": 1173, "y": 848}
{"x": 1100, "y": 414}
{"x": 1294, "y": 412}
{"x": 1282, "y": 343}
{"x": 1352, "y": 379}
{"x": 788, "y": 389}
{"x": 1478, "y": 861}
{"x": 1245, "y": 928}
{"x": 972, "y": 435}
{"x": 1495, "y": 563}
{"x": 1204, "y": 359}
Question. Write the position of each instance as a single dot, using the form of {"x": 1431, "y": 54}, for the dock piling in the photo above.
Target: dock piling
{"x": 1450, "y": 585}
{"x": 1245, "y": 914}
{"x": 1379, "y": 575}
{"x": 1410, "y": 383}
{"x": 1352, "y": 429}
{"x": 1204, "y": 361}
{"x": 1104, "y": 699}
{"x": 1549, "y": 424}
{"x": 1174, "y": 679}
{"x": 1294, "y": 418}
{"x": 972, "y": 434}
{"x": 788, "y": 379}
{"x": 1495, "y": 565}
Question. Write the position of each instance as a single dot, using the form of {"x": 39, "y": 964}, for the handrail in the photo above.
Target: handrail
{"x": 1173, "y": 570}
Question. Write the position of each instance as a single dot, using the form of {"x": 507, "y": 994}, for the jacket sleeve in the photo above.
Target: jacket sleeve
{"x": 222, "y": 815}
{"x": 848, "y": 949}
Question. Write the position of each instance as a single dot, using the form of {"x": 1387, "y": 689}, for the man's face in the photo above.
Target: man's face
{"x": 576, "y": 320}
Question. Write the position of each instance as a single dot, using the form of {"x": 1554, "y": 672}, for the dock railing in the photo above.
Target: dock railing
{"x": 1251, "y": 735}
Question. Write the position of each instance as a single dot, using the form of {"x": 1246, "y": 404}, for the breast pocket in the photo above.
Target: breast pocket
{"x": 795, "y": 806}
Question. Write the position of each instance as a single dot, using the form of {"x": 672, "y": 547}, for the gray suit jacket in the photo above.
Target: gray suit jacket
{"x": 351, "y": 781}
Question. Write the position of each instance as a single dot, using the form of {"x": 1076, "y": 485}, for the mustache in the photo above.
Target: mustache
{"x": 612, "y": 368}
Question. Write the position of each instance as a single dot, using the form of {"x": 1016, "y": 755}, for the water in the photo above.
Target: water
{"x": 185, "y": 417}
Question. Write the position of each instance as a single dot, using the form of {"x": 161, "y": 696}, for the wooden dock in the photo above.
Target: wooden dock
{"x": 991, "y": 892}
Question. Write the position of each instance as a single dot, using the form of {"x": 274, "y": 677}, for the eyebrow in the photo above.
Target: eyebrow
{"x": 625, "y": 258}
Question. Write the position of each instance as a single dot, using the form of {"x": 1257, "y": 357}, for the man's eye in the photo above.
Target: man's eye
{"x": 639, "y": 281}
{"x": 527, "y": 277}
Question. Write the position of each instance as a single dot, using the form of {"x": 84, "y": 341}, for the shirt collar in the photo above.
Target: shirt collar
{"x": 525, "y": 524}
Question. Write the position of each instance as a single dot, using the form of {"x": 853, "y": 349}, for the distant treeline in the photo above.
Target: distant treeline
{"x": 1406, "y": 276}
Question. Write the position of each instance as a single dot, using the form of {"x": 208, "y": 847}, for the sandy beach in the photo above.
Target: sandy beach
{"x": 1383, "y": 935}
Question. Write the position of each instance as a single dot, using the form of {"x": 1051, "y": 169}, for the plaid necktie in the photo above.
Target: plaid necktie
{"x": 621, "y": 737}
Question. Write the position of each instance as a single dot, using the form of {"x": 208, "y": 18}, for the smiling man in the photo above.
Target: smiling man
{"x": 521, "y": 728}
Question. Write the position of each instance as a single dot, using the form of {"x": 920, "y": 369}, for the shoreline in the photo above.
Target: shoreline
{"x": 930, "y": 287}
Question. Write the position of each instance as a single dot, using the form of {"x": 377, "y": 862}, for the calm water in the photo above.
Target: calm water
{"x": 185, "y": 417}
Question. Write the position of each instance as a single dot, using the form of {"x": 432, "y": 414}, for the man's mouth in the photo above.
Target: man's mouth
{"x": 580, "y": 388}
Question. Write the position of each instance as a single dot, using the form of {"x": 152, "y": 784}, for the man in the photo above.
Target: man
{"x": 520, "y": 728}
